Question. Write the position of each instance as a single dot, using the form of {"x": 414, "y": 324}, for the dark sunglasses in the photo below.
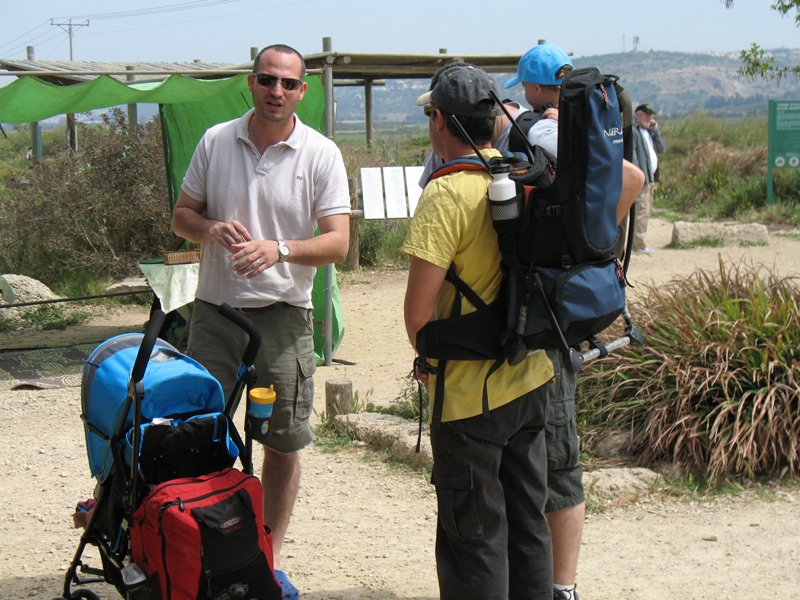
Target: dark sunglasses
{"x": 428, "y": 109}
{"x": 270, "y": 81}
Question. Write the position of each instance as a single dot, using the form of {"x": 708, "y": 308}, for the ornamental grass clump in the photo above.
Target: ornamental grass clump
{"x": 717, "y": 385}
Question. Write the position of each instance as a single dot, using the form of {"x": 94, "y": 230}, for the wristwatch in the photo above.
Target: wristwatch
{"x": 283, "y": 251}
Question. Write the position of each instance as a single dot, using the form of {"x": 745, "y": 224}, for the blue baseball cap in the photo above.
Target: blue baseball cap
{"x": 539, "y": 65}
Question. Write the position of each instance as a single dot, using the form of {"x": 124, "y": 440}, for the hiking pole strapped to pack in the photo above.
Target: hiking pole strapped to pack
{"x": 598, "y": 349}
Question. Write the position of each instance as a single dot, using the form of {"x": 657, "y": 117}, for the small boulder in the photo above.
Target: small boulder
{"x": 731, "y": 234}
{"x": 620, "y": 483}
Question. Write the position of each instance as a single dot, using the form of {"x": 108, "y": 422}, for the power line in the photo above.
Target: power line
{"x": 202, "y": 19}
{"x": 24, "y": 35}
{"x": 68, "y": 25}
{"x": 155, "y": 10}
{"x": 39, "y": 44}
{"x": 183, "y": 6}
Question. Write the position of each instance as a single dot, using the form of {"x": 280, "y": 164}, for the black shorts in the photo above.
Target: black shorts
{"x": 564, "y": 472}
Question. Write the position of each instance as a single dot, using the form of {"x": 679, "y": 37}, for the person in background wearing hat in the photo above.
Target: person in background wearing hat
{"x": 541, "y": 71}
{"x": 648, "y": 143}
{"x": 492, "y": 539}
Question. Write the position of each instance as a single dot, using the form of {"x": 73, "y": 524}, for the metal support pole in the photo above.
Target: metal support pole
{"x": 328, "y": 82}
{"x": 328, "y": 325}
{"x": 368, "y": 113}
{"x": 36, "y": 131}
{"x": 133, "y": 112}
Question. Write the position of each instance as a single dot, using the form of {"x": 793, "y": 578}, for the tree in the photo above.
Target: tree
{"x": 757, "y": 62}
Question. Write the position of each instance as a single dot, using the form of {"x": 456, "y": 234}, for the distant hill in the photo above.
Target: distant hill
{"x": 675, "y": 83}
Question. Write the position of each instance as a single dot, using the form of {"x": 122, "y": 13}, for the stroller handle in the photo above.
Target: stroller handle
{"x": 249, "y": 327}
{"x": 150, "y": 337}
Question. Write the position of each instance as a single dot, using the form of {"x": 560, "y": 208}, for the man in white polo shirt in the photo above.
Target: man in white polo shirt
{"x": 254, "y": 194}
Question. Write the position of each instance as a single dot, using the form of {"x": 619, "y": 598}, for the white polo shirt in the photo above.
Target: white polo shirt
{"x": 277, "y": 195}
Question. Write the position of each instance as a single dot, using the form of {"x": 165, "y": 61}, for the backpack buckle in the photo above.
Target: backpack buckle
{"x": 552, "y": 211}
{"x": 421, "y": 364}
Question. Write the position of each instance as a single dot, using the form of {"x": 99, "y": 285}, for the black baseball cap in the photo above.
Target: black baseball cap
{"x": 646, "y": 108}
{"x": 463, "y": 91}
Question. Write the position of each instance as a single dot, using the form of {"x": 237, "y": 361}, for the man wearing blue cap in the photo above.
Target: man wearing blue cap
{"x": 541, "y": 71}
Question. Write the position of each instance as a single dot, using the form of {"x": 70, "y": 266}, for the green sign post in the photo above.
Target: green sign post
{"x": 783, "y": 146}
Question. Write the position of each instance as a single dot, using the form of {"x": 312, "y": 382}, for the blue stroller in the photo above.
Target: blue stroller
{"x": 139, "y": 392}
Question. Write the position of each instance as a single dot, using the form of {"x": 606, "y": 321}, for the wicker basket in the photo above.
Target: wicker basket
{"x": 181, "y": 257}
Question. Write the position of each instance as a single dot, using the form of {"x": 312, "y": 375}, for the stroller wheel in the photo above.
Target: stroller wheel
{"x": 86, "y": 594}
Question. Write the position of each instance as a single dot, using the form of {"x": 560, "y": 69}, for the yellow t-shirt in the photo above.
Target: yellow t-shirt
{"x": 451, "y": 225}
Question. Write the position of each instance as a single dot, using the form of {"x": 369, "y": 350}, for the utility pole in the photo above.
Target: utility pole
{"x": 72, "y": 133}
{"x": 36, "y": 131}
{"x": 68, "y": 28}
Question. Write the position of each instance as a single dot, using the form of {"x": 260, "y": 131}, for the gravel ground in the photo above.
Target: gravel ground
{"x": 363, "y": 529}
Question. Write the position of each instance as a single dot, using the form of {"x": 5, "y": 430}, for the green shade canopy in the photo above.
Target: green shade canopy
{"x": 29, "y": 99}
{"x": 188, "y": 107}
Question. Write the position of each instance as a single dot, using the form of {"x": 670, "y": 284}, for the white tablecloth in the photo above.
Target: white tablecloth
{"x": 174, "y": 285}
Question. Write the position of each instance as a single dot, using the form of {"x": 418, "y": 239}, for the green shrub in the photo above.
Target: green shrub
{"x": 717, "y": 169}
{"x": 710, "y": 180}
{"x": 92, "y": 215}
{"x": 717, "y": 385}
{"x": 14, "y": 146}
{"x": 420, "y": 141}
{"x": 380, "y": 241}
{"x": 413, "y": 399}
{"x": 683, "y": 135}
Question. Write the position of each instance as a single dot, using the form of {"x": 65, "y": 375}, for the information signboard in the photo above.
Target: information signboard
{"x": 783, "y": 146}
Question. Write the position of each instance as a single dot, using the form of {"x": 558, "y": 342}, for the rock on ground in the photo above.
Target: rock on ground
{"x": 730, "y": 234}
{"x": 25, "y": 289}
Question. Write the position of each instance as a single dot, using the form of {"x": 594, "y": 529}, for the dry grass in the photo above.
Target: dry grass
{"x": 717, "y": 157}
{"x": 717, "y": 386}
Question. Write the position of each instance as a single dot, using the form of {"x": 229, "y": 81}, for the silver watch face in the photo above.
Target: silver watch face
{"x": 283, "y": 250}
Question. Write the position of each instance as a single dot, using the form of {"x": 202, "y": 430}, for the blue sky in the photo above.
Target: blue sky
{"x": 224, "y": 30}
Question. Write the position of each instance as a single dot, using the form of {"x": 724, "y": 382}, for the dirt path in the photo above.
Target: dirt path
{"x": 363, "y": 529}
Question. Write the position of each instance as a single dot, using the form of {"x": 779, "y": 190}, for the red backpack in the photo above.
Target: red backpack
{"x": 204, "y": 537}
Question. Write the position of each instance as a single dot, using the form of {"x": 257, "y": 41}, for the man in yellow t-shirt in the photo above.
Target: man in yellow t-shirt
{"x": 490, "y": 472}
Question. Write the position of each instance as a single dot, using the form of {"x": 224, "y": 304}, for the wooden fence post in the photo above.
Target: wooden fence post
{"x": 338, "y": 397}
{"x": 353, "y": 260}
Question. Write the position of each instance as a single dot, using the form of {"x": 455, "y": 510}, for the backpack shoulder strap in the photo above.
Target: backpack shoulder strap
{"x": 462, "y": 289}
{"x": 516, "y": 142}
{"x": 466, "y": 163}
